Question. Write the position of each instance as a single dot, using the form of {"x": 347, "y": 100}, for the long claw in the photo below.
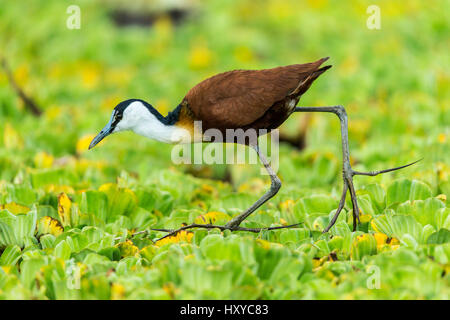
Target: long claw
{"x": 339, "y": 209}
{"x": 348, "y": 172}
{"x": 356, "y": 219}
{"x": 348, "y": 185}
{"x": 374, "y": 173}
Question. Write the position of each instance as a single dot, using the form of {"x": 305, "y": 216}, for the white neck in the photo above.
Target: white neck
{"x": 140, "y": 120}
{"x": 154, "y": 129}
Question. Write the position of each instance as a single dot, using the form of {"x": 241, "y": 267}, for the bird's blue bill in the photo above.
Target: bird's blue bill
{"x": 107, "y": 130}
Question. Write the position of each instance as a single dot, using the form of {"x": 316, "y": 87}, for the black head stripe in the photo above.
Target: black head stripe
{"x": 117, "y": 117}
{"x": 170, "y": 119}
{"x": 120, "y": 108}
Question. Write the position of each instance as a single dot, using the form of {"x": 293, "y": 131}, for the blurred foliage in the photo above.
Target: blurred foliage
{"x": 67, "y": 215}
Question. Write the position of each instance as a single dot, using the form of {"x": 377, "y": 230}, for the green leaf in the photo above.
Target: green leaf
{"x": 29, "y": 269}
{"x": 378, "y": 196}
{"x": 121, "y": 201}
{"x": 46, "y": 211}
{"x": 45, "y": 177}
{"x": 426, "y": 232}
{"x": 316, "y": 204}
{"x": 180, "y": 216}
{"x": 363, "y": 245}
{"x": 439, "y": 237}
{"x": 406, "y": 225}
{"x": 17, "y": 229}
{"x": 294, "y": 236}
{"x": 239, "y": 201}
{"x": 397, "y": 225}
{"x": 10, "y": 255}
{"x": 430, "y": 211}
{"x": 95, "y": 203}
{"x": 21, "y": 194}
{"x": 47, "y": 241}
{"x": 365, "y": 204}
{"x": 63, "y": 250}
{"x": 147, "y": 252}
{"x": 49, "y": 225}
{"x": 404, "y": 190}
{"x": 409, "y": 241}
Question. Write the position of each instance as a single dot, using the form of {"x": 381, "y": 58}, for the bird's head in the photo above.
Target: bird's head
{"x": 132, "y": 114}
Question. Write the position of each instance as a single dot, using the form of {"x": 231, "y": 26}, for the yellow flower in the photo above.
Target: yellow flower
{"x": 207, "y": 188}
{"x": 243, "y": 54}
{"x": 119, "y": 78}
{"x": 53, "y": 112}
{"x": 90, "y": 75}
{"x": 365, "y": 218}
{"x": 15, "y": 208}
{"x": 381, "y": 239}
{"x": 212, "y": 217}
{"x": 316, "y": 263}
{"x": 163, "y": 27}
{"x": 286, "y": 205}
{"x": 49, "y": 225}
{"x": 170, "y": 289}
{"x": 442, "y": 138}
{"x": 55, "y": 188}
{"x": 117, "y": 291}
{"x": 374, "y": 225}
{"x": 263, "y": 243}
{"x": 442, "y": 197}
{"x": 107, "y": 187}
{"x": 83, "y": 143}
{"x": 200, "y": 57}
{"x": 182, "y": 236}
{"x": 317, "y": 4}
{"x": 163, "y": 105}
{"x": 64, "y": 207}
{"x": 11, "y": 138}
{"x": 127, "y": 249}
{"x": 43, "y": 160}
{"x": 280, "y": 10}
{"x": 254, "y": 185}
{"x": 393, "y": 242}
{"x": 110, "y": 102}
{"x": 21, "y": 75}
{"x": 6, "y": 269}
{"x": 442, "y": 171}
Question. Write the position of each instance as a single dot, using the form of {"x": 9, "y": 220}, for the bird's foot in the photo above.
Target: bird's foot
{"x": 233, "y": 224}
{"x": 171, "y": 233}
{"x": 348, "y": 174}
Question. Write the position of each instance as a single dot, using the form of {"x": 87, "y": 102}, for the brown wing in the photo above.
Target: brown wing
{"x": 237, "y": 98}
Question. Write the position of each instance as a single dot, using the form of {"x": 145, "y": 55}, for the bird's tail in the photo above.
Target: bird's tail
{"x": 306, "y": 82}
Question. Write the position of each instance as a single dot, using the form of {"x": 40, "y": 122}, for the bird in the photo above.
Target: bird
{"x": 239, "y": 100}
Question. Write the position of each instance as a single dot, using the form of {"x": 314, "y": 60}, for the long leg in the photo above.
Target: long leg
{"x": 347, "y": 171}
{"x": 274, "y": 187}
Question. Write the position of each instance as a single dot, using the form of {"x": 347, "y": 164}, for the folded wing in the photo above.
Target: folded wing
{"x": 238, "y": 98}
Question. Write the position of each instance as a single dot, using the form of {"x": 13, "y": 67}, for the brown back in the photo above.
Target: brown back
{"x": 237, "y": 98}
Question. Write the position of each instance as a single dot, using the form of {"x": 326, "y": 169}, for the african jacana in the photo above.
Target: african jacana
{"x": 239, "y": 99}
